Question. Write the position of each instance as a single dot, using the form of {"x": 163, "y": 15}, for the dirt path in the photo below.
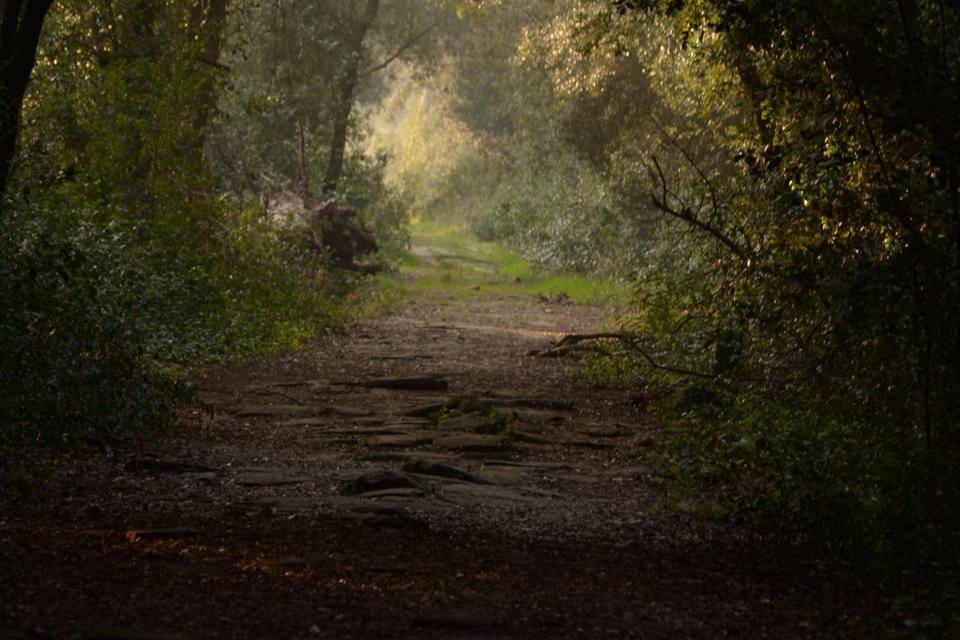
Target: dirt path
{"x": 311, "y": 509}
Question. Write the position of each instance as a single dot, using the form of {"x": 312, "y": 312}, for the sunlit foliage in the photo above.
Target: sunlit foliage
{"x": 133, "y": 245}
{"x": 780, "y": 182}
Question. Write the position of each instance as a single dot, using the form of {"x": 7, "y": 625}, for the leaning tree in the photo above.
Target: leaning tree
{"x": 20, "y": 24}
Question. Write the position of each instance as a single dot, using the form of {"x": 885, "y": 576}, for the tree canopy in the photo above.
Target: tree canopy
{"x": 779, "y": 182}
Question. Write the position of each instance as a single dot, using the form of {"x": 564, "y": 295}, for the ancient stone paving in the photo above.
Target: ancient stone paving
{"x": 438, "y": 415}
{"x": 420, "y": 476}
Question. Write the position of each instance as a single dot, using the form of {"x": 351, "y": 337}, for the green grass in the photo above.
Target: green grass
{"x": 450, "y": 260}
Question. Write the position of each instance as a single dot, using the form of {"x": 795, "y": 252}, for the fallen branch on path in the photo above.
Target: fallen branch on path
{"x": 566, "y": 350}
{"x": 576, "y": 338}
{"x": 573, "y": 342}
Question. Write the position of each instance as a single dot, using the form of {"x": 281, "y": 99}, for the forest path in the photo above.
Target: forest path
{"x": 318, "y": 504}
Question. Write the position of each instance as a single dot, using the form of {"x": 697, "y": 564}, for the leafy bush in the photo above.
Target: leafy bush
{"x": 862, "y": 492}
{"x": 122, "y": 263}
{"x": 276, "y": 291}
{"x": 98, "y": 325}
{"x": 384, "y": 208}
{"x": 562, "y": 218}
{"x": 74, "y": 335}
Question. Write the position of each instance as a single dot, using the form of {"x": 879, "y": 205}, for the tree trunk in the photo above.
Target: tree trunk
{"x": 207, "y": 22}
{"x": 20, "y": 25}
{"x": 347, "y": 90}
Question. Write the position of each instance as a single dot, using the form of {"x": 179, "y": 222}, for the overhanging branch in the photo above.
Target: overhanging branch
{"x": 662, "y": 203}
{"x": 412, "y": 40}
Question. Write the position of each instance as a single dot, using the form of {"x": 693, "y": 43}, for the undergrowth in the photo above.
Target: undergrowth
{"x": 792, "y": 470}
{"x": 100, "y": 327}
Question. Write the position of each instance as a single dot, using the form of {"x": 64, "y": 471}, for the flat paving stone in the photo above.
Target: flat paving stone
{"x": 136, "y": 535}
{"x": 267, "y": 480}
{"x": 205, "y": 476}
{"x": 531, "y": 438}
{"x": 428, "y": 382}
{"x": 440, "y": 470}
{"x": 508, "y": 399}
{"x": 425, "y": 410}
{"x": 358, "y": 433}
{"x": 400, "y": 492}
{"x": 506, "y": 476}
{"x": 281, "y": 410}
{"x": 406, "y": 440}
{"x": 537, "y": 415}
{"x": 325, "y": 422}
{"x": 382, "y": 481}
{"x": 267, "y": 477}
{"x": 469, "y": 442}
{"x": 532, "y": 466}
{"x": 588, "y": 444}
{"x": 602, "y": 431}
{"x": 472, "y": 494}
{"x": 471, "y": 423}
{"x": 404, "y": 456}
{"x": 580, "y": 478}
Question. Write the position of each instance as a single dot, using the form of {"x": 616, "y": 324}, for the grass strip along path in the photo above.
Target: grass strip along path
{"x": 421, "y": 476}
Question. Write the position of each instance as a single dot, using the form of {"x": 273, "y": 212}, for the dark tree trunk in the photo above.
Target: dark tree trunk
{"x": 207, "y": 21}
{"x": 347, "y": 90}
{"x": 20, "y": 25}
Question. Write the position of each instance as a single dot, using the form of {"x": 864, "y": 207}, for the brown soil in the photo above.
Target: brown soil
{"x": 256, "y": 539}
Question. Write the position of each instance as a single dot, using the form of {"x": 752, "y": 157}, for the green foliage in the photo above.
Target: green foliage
{"x": 459, "y": 265}
{"x": 384, "y": 208}
{"x": 488, "y": 419}
{"x": 290, "y": 61}
{"x": 857, "y": 490}
{"x": 271, "y": 291}
{"x": 74, "y": 333}
{"x": 98, "y": 325}
{"x": 559, "y": 217}
{"x": 780, "y": 181}
{"x": 124, "y": 265}
{"x": 827, "y": 255}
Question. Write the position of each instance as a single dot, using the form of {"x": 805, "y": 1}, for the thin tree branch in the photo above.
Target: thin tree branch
{"x": 632, "y": 341}
{"x": 688, "y": 216}
{"x": 399, "y": 52}
{"x": 686, "y": 156}
{"x": 575, "y": 338}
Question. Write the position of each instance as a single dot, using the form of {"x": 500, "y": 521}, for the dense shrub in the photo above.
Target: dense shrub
{"x": 562, "y": 219}
{"x": 136, "y": 242}
{"x": 98, "y": 326}
{"x": 75, "y": 332}
{"x": 782, "y": 179}
{"x": 384, "y": 208}
{"x": 792, "y": 473}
